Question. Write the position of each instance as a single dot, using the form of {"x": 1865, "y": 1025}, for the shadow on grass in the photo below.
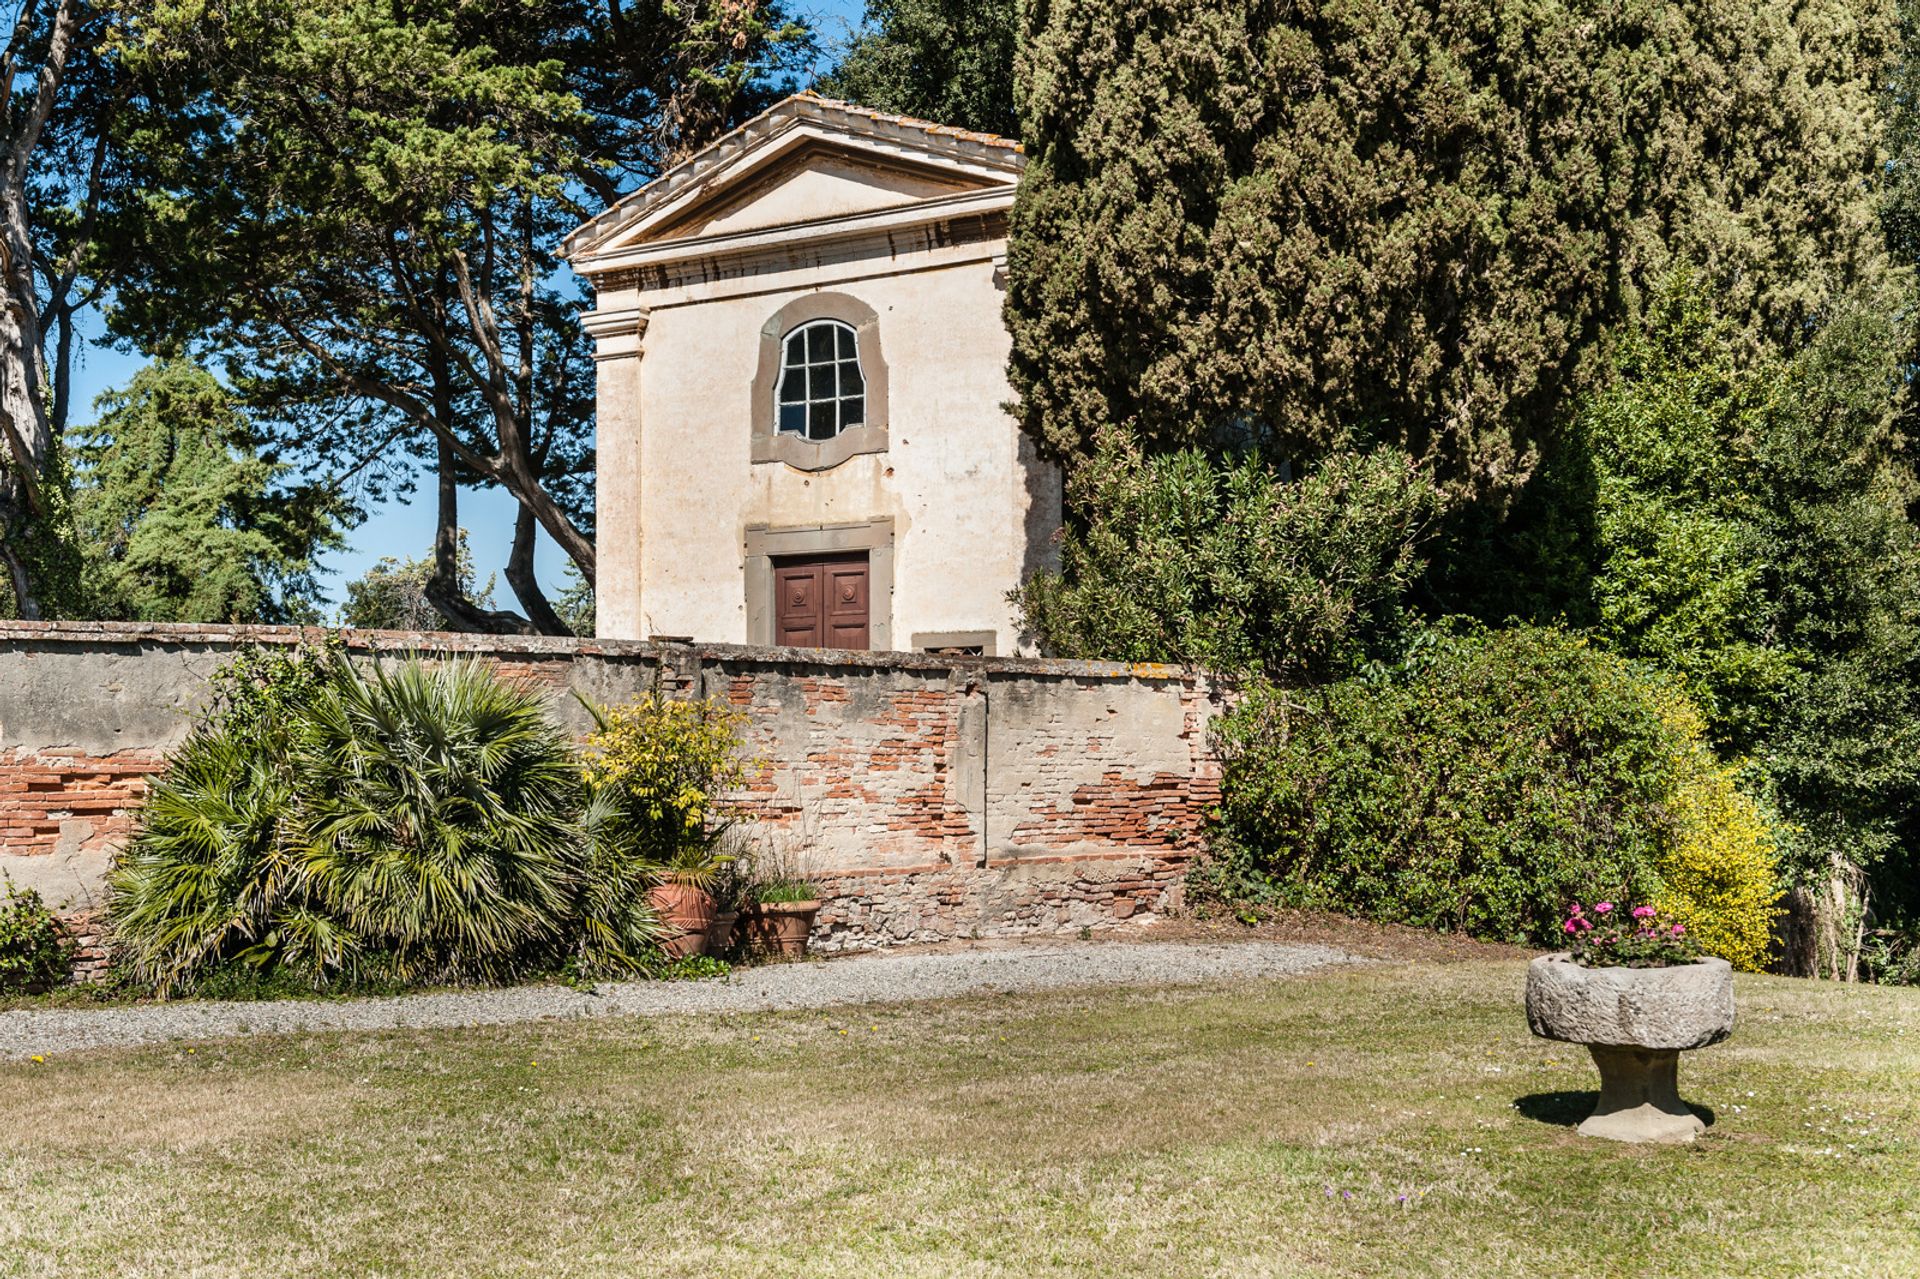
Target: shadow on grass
{"x": 1567, "y": 1109}
{"x": 1563, "y": 1108}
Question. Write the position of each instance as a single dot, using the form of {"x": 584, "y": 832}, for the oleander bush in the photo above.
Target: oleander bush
{"x": 33, "y": 949}
{"x": 1479, "y": 786}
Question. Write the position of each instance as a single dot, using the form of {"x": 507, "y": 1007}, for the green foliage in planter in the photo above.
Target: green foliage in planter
{"x": 33, "y": 949}
{"x": 782, "y": 892}
{"x": 413, "y": 824}
{"x": 1478, "y": 787}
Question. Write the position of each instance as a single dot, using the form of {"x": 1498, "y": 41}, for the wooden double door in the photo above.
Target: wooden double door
{"x": 822, "y": 601}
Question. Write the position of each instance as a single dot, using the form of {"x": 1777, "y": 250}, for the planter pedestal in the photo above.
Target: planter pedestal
{"x": 1640, "y": 1097}
{"x": 1636, "y": 1022}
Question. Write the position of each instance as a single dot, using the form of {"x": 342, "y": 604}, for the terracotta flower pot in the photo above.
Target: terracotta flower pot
{"x": 687, "y": 912}
{"x": 781, "y": 929}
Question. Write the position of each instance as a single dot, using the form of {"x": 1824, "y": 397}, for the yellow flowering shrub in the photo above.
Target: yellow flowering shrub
{"x": 1721, "y": 873}
{"x": 669, "y": 765}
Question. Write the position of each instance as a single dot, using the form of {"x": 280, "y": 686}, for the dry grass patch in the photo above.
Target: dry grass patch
{"x": 1360, "y": 1122}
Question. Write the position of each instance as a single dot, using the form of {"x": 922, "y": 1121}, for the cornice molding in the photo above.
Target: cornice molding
{"x": 792, "y": 122}
{"x": 797, "y": 235}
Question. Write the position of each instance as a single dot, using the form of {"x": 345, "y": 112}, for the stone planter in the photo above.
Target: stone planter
{"x": 779, "y": 929}
{"x": 687, "y": 914}
{"x": 1636, "y": 1022}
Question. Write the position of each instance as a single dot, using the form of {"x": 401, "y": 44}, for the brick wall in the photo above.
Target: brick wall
{"x": 931, "y": 797}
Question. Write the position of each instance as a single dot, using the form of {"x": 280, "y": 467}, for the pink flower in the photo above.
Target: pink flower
{"x": 1574, "y": 909}
{"x": 1573, "y": 925}
{"x": 1601, "y": 908}
{"x": 1679, "y": 930}
{"x": 1644, "y": 912}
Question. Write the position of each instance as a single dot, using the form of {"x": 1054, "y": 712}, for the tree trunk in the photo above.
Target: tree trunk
{"x": 526, "y": 587}
{"x": 24, "y": 431}
{"x": 444, "y": 589}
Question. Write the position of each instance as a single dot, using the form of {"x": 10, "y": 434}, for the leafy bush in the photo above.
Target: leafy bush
{"x": 1741, "y": 518}
{"x": 659, "y": 770}
{"x": 33, "y": 949}
{"x": 668, "y": 765}
{"x": 1721, "y": 873}
{"x": 1478, "y": 787}
{"x": 1225, "y": 564}
{"x": 407, "y": 825}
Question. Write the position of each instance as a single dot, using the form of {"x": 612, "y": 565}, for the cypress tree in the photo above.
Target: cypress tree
{"x": 1322, "y": 222}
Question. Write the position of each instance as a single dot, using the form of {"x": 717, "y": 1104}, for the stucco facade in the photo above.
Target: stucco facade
{"x": 893, "y": 230}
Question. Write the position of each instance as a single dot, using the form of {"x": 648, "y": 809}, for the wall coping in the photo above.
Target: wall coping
{"x": 111, "y": 634}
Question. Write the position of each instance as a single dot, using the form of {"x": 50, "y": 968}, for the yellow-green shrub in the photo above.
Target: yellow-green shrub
{"x": 669, "y": 764}
{"x": 1721, "y": 875}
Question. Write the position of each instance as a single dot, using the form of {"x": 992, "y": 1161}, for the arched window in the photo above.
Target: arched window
{"x": 821, "y": 391}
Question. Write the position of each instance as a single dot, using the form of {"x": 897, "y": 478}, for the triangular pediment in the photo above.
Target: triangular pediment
{"x": 806, "y": 162}
{"x": 817, "y": 181}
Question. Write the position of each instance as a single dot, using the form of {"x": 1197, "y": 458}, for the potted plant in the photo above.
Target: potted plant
{"x": 1633, "y": 988}
{"x": 667, "y": 769}
{"x": 684, "y": 901}
{"x": 782, "y": 916}
{"x": 732, "y": 894}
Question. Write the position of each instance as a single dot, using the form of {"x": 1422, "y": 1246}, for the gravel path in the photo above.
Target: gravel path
{"x": 864, "y": 979}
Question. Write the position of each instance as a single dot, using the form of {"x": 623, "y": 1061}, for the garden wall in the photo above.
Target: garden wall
{"x": 931, "y": 797}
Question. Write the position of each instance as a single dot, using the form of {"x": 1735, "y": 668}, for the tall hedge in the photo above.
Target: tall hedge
{"x": 1409, "y": 218}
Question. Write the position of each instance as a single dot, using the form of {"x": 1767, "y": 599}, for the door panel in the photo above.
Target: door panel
{"x": 846, "y": 611}
{"x": 822, "y": 601}
{"x": 797, "y": 615}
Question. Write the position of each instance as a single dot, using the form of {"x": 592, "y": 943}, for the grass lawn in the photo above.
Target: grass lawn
{"x": 1395, "y": 1120}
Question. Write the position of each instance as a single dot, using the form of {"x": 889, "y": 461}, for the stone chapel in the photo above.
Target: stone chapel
{"x": 803, "y": 436}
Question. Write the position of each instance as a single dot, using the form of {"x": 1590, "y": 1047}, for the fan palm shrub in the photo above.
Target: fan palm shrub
{"x": 211, "y": 874}
{"x": 418, "y": 823}
{"x": 439, "y": 817}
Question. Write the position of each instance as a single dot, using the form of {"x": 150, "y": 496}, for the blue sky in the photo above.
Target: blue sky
{"x": 406, "y": 528}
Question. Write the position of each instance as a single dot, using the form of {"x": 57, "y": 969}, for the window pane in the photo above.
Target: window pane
{"x": 793, "y": 386}
{"x": 819, "y": 343}
{"x": 820, "y": 382}
{"x": 793, "y": 418}
{"x": 795, "y": 351}
{"x": 820, "y": 421}
{"x": 846, "y": 344}
{"x": 853, "y": 412}
{"x": 851, "y": 383}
